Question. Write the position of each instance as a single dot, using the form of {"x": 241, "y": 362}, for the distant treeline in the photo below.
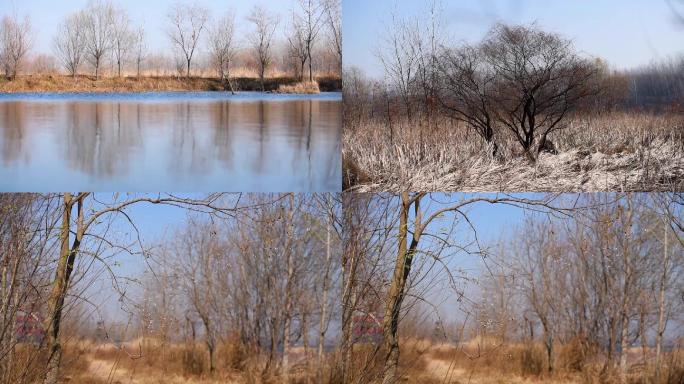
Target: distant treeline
{"x": 658, "y": 87}
{"x": 102, "y": 38}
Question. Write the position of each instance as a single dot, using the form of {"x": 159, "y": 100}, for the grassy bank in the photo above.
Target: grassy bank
{"x": 60, "y": 83}
{"x": 610, "y": 152}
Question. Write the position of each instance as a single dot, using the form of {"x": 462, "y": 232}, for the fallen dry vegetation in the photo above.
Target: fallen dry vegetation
{"x": 618, "y": 151}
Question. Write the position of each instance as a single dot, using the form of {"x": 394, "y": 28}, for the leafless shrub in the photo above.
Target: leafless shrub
{"x": 222, "y": 45}
{"x": 99, "y": 19}
{"x": 261, "y": 38}
{"x": 124, "y": 39}
{"x": 15, "y": 42}
{"x": 186, "y": 25}
{"x": 539, "y": 81}
{"x": 69, "y": 43}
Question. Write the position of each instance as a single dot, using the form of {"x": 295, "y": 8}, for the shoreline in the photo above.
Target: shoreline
{"x": 87, "y": 84}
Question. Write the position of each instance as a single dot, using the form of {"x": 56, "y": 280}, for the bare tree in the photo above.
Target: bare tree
{"x": 297, "y": 44}
{"x": 310, "y": 23}
{"x": 15, "y": 42}
{"x": 222, "y": 46}
{"x": 290, "y": 283}
{"x": 414, "y": 223}
{"x": 27, "y": 232}
{"x": 70, "y": 41}
{"x": 539, "y": 81}
{"x": 140, "y": 49}
{"x": 467, "y": 90}
{"x": 187, "y": 24}
{"x": 124, "y": 38}
{"x": 541, "y": 273}
{"x": 261, "y": 38}
{"x": 99, "y": 28}
{"x": 200, "y": 261}
{"x": 333, "y": 12}
{"x": 399, "y": 58}
{"x": 85, "y": 223}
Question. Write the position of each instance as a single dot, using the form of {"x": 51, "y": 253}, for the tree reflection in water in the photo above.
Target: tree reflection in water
{"x": 259, "y": 145}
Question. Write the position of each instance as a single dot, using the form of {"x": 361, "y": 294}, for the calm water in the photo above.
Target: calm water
{"x": 170, "y": 142}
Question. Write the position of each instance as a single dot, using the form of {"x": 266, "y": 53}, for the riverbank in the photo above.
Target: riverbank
{"x": 61, "y": 83}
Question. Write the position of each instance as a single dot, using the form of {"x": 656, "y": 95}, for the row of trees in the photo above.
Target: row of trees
{"x": 102, "y": 31}
{"x": 265, "y": 281}
{"x": 607, "y": 281}
{"x": 53, "y": 246}
{"x": 601, "y": 272}
{"x": 278, "y": 277}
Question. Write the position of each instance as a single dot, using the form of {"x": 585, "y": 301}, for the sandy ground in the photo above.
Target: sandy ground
{"x": 106, "y": 371}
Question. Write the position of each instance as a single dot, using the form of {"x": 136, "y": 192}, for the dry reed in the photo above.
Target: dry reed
{"x": 610, "y": 152}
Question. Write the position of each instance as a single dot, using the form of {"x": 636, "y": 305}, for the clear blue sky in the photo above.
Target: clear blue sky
{"x": 628, "y": 33}
{"x": 47, "y": 14}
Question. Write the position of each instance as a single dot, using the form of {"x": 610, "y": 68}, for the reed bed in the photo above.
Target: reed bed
{"x": 608, "y": 152}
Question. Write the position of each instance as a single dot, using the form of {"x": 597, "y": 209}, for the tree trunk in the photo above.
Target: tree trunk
{"x": 288, "y": 292}
{"x": 350, "y": 261}
{"x": 210, "y": 347}
{"x": 661, "y": 307}
{"x": 623, "y": 353}
{"x": 60, "y": 286}
{"x": 230, "y": 84}
{"x": 310, "y": 67}
{"x": 305, "y": 340}
{"x": 626, "y": 290}
{"x": 548, "y": 343}
{"x": 397, "y": 291}
{"x": 188, "y": 73}
{"x": 262, "y": 71}
{"x": 324, "y": 307}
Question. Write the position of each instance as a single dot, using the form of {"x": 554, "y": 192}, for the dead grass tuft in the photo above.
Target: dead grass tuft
{"x": 305, "y": 87}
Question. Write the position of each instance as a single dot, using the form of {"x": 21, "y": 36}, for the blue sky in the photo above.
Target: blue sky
{"x": 47, "y": 14}
{"x": 155, "y": 222}
{"x": 628, "y": 33}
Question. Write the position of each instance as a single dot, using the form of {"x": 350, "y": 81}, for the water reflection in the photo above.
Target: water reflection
{"x": 181, "y": 145}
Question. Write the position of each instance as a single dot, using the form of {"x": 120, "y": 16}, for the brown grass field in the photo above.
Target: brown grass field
{"x": 610, "y": 152}
{"x": 476, "y": 361}
{"x": 62, "y": 83}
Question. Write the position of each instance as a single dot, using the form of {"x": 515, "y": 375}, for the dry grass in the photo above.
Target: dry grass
{"x": 60, "y": 83}
{"x": 305, "y": 87}
{"x": 150, "y": 361}
{"x": 477, "y": 361}
{"x": 492, "y": 362}
{"x": 612, "y": 152}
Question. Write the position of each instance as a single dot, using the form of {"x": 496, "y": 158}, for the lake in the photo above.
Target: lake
{"x": 180, "y": 141}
